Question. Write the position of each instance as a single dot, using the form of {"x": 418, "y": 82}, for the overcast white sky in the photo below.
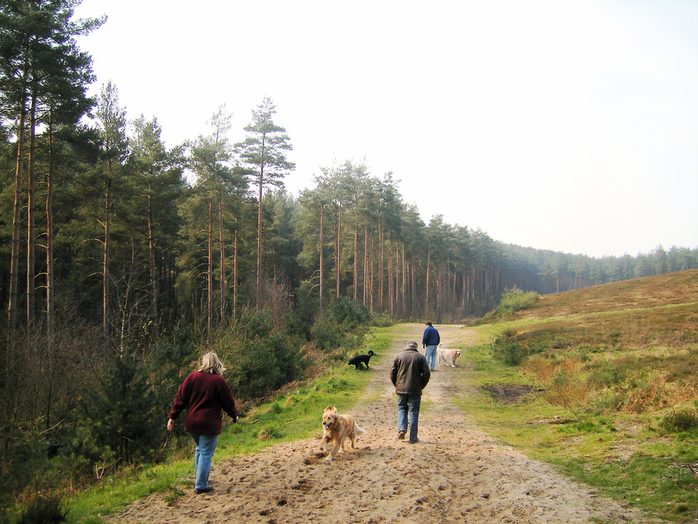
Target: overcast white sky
{"x": 556, "y": 124}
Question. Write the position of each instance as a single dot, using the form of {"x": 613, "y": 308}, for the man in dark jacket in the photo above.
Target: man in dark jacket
{"x": 410, "y": 375}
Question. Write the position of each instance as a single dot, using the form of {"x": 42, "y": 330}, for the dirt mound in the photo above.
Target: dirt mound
{"x": 455, "y": 474}
{"x": 509, "y": 393}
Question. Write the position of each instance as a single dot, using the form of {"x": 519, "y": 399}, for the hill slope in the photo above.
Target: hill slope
{"x": 652, "y": 312}
{"x": 641, "y": 293}
{"x": 615, "y": 368}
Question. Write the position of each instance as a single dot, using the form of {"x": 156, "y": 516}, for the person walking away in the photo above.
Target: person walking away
{"x": 203, "y": 394}
{"x": 410, "y": 374}
{"x": 430, "y": 340}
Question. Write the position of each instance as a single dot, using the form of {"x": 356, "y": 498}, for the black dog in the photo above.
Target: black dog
{"x": 360, "y": 359}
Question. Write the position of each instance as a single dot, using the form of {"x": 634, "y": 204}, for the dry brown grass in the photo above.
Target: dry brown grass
{"x": 561, "y": 381}
{"x": 546, "y": 370}
{"x": 628, "y": 346}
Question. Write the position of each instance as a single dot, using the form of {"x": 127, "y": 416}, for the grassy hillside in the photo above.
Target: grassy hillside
{"x": 602, "y": 381}
{"x": 657, "y": 291}
{"x": 659, "y": 311}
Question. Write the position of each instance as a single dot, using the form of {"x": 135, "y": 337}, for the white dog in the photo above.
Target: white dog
{"x": 447, "y": 356}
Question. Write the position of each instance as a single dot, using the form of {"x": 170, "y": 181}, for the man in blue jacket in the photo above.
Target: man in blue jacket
{"x": 430, "y": 340}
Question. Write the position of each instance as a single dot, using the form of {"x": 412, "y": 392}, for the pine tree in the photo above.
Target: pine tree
{"x": 264, "y": 154}
{"x": 218, "y": 186}
{"x": 157, "y": 176}
{"x": 40, "y": 63}
{"x": 111, "y": 120}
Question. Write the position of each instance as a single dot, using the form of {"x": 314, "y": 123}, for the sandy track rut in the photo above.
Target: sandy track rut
{"x": 456, "y": 474}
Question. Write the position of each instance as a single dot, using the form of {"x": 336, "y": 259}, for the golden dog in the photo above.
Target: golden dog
{"x": 336, "y": 429}
{"x": 325, "y": 433}
{"x": 447, "y": 356}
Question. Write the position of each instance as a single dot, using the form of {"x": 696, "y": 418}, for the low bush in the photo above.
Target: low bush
{"x": 511, "y": 352}
{"x": 681, "y": 420}
{"x": 512, "y": 300}
{"x": 567, "y": 392}
{"x": 343, "y": 324}
{"x": 605, "y": 374}
{"x": 121, "y": 411}
{"x": 43, "y": 510}
{"x": 259, "y": 357}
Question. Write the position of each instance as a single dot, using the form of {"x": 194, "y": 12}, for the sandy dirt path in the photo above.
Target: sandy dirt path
{"x": 455, "y": 474}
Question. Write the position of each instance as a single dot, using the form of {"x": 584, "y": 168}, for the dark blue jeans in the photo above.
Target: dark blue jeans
{"x": 408, "y": 410}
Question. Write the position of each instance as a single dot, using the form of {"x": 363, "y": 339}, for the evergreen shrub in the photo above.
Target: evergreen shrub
{"x": 511, "y": 352}
{"x": 512, "y": 300}
{"x": 121, "y": 413}
{"x": 682, "y": 420}
{"x": 260, "y": 358}
{"x": 343, "y": 324}
{"x": 43, "y": 510}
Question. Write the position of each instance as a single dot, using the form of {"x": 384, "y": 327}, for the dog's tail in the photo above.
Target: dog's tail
{"x": 359, "y": 429}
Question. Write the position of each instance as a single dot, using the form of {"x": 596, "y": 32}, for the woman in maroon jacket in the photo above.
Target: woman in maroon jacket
{"x": 203, "y": 394}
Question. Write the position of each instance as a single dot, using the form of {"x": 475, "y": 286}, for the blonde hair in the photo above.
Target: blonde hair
{"x": 211, "y": 364}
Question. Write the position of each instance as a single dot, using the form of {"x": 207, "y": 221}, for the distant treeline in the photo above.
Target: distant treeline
{"x": 100, "y": 221}
{"x": 553, "y": 272}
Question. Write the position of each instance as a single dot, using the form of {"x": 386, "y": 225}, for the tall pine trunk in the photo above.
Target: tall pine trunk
{"x": 337, "y": 251}
{"x": 151, "y": 257}
{"x": 439, "y": 288}
{"x": 235, "y": 275}
{"x": 322, "y": 268}
{"x": 381, "y": 267}
{"x": 31, "y": 217}
{"x": 365, "y": 293}
{"x": 221, "y": 243}
{"x": 16, "y": 211}
{"x": 371, "y": 273}
{"x": 404, "y": 297}
{"x": 105, "y": 255}
{"x": 391, "y": 288}
{"x": 50, "y": 306}
{"x": 427, "y": 310}
{"x": 259, "y": 231}
{"x": 356, "y": 264}
{"x": 209, "y": 271}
